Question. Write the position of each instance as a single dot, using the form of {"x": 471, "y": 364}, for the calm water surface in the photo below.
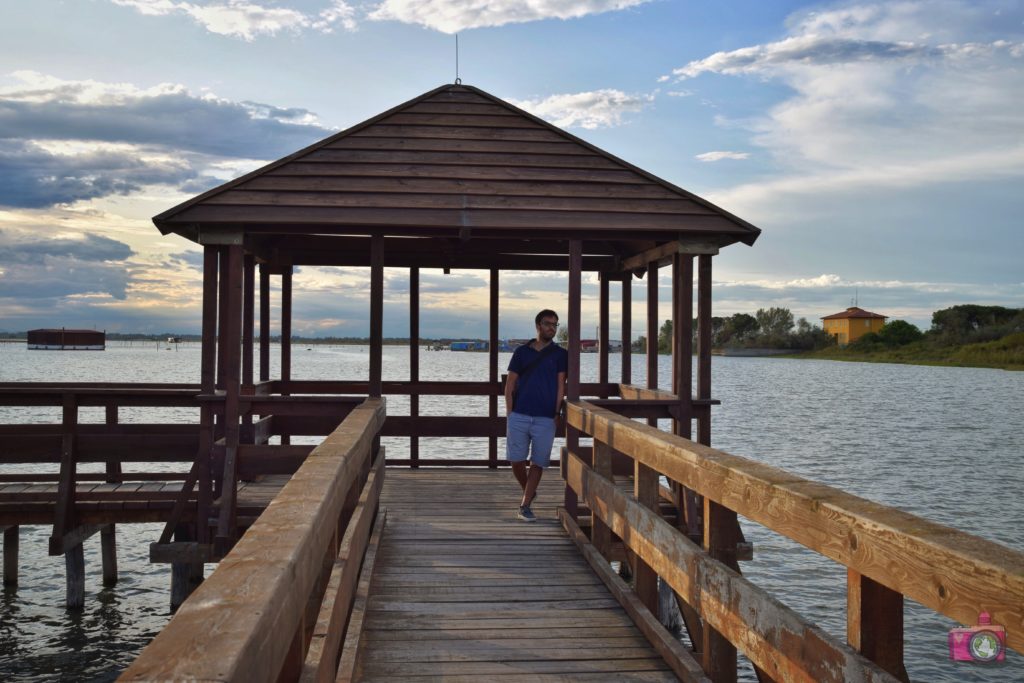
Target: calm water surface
{"x": 943, "y": 443}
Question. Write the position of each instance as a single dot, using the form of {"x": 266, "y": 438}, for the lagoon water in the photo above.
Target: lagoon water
{"x": 943, "y": 443}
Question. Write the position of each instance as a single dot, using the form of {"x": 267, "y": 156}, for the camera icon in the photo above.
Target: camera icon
{"x": 985, "y": 642}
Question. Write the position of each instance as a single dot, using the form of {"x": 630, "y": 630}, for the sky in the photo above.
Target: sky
{"x": 878, "y": 145}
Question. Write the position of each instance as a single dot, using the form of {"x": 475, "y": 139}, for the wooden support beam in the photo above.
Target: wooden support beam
{"x": 376, "y": 314}
{"x": 675, "y": 655}
{"x": 11, "y": 543}
{"x": 64, "y": 513}
{"x": 652, "y": 326}
{"x": 222, "y": 314}
{"x": 492, "y": 364}
{"x": 600, "y": 534}
{"x": 264, "y": 323}
{"x": 248, "y": 316}
{"x": 721, "y": 535}
{"x": 602, "y": 334}
{"x": 414, "y": 357}
{"x": 874, "y": 622}
{"x": 208, "y": 359}
{"x": 286, "y": 325}
{"x": 704, "y": 344}
{"x": 627, "y": 329}
{"x": 645, "y": 490}
{"x": 74, "y": 572}
{"x": 226, "y": 524}
{"x": 572, "y": 438}
{"x": 108, "y": 552}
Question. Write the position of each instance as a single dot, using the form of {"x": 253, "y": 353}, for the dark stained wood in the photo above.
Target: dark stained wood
{"x": 602, "y": 334}
{"x": 264, "y": 323}
{"x": 704, "y": 344}
{"x": 64, "y": 512}
{"x": 248, "y": 316}
{"x": 208, "y": 360}
{"x": 492, "y": 363}
{"x": 414, "y": 356}
{"x": 376, "y": 314}
{"x": 11, "y": 543}
{"x": 226, "y": 524}
{"x": 627, "y": 330}
{"x": 874, "y": 623}
{"x": 653, "y": 325}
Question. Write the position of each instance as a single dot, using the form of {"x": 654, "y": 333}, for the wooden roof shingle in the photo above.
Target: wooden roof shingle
{"x": 454, "y": 162}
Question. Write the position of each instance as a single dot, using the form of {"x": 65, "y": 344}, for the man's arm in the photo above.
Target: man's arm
{"x": 510, "y": 387}
{"x": 561, "y": 392}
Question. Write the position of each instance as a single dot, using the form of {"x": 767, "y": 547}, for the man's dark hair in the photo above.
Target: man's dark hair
{"x": 546, "y": 313}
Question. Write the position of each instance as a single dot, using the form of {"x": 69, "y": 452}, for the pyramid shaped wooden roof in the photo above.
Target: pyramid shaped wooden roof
{"x": 453, "y": 165}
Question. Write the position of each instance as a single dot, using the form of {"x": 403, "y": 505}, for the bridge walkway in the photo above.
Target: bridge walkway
{"x": 464, "y": 590}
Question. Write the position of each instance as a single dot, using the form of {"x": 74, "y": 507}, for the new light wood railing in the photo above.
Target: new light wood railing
{"x": 277, "y": 606}
{"x": 888, "y": 553}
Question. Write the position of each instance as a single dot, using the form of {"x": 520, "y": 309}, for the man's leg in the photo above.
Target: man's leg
{"x": 530, "y": 486}
{"x": 542, "y": 437}
{"x": 519, "y": 470}
{"x": 517, "y": 445}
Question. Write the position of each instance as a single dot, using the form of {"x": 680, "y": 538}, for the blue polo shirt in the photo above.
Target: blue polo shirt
{"x": 537, "y": 392}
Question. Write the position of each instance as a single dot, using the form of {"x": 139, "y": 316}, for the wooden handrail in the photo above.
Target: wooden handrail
{"x": 949, "y": 571}
{"x": 242, "y": 622}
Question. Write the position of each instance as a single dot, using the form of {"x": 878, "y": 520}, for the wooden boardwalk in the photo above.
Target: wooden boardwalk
{"x": 465, "y": 590}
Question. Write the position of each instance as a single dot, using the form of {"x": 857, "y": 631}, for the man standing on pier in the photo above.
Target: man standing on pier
{"x": 533, "y": 399}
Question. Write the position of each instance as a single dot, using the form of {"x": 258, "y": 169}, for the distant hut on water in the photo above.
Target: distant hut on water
{"x": 64, "y": 339}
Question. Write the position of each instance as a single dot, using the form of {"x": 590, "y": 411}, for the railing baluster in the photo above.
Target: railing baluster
{"x": 874, "y": 622}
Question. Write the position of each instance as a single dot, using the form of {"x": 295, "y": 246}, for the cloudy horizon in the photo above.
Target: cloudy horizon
{"x": 879, "y": 146}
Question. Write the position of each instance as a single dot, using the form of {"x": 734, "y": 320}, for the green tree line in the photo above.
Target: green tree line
{"x": 774, "y": 328}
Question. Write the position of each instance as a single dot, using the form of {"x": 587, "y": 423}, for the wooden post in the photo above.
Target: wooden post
{"x": 645, "y": 490}
{"x": 600, "y": 533}
{"x": 11, "y": 543}
{"x": 207, "y": 369}
{"x": 721, "y": 534}
{"x": 492, "y": 402}
{"x": 414, "y": 358}
{"x": 627, "y": 328}
{"x": 602, "y": 337}
{"x": 704, "y": 345}
{"x": 208, "y": 359}
{"x": 226, "y": 527}
{"x": 286, "y": 339}
{"x": 652, "y": 329}
{"x": 64, "y": 516}
{"x": 874, "y": 622}
{"x": 108, "y": 553}
{"x": 376, "y": 315}
{"x": 222, "y": 316}
{"x": 572, "y": 435}
{"x": 682, "y": 377}
{"x": 74, "y": 565}
{"x": 264, "y": 322}
{"x": 248, "y": 318}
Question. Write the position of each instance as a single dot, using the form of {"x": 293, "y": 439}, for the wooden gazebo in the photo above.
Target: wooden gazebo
{"x": 455, "y": 178}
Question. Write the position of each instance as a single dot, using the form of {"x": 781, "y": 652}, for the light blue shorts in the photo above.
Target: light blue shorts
{"x": 524, "y": 431}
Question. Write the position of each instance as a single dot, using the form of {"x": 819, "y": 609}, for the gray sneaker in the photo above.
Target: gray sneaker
{"x": 526, "y": 514}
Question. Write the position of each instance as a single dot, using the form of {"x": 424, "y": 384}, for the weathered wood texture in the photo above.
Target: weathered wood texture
{"x": 454, "y": 162}
{"x": 774, "y": 637}
{"x": 463, "y": 589}
{"x": 949, "y": 571}
{"x": 354, "y": 632}
{"x": 238, "y": 624}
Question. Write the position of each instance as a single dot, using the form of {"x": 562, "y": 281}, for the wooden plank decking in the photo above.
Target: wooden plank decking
{"x": 465, "y": 590}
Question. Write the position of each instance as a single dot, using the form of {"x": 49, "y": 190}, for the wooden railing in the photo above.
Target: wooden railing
{"x": 888, "y": 554}
{"x": 277, "y": 606}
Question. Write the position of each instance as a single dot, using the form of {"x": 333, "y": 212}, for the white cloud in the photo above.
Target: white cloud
{"x": 595, "y": 109}
{"x": 883, "y": 94}
{"x": 719, "y": 155}
{"x": 452, "y": 16}
{"x": 247, "y": 20}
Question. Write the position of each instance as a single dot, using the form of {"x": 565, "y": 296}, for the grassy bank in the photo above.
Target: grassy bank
{"x": 1006, "y": 353}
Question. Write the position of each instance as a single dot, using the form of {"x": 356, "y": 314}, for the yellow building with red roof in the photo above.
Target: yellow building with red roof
{"x": 852, "y": 324}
